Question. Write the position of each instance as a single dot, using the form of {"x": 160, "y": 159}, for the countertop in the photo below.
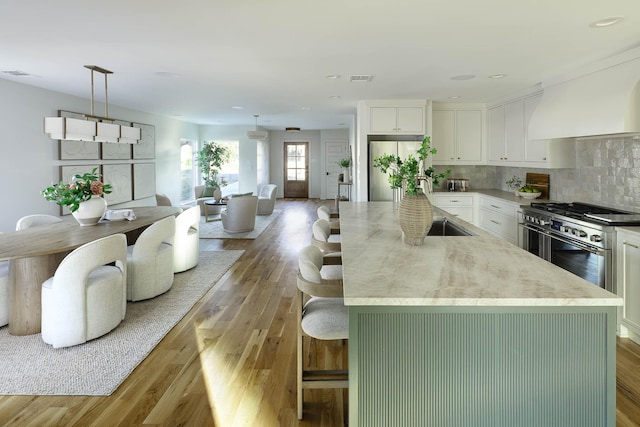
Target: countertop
{"x": 479, "y": 270}
{"x": 508, "y": 196}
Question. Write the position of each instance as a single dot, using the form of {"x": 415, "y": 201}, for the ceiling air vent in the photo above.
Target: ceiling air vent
{"x": 360, "y": 78}
{"x": 17, "y": 73}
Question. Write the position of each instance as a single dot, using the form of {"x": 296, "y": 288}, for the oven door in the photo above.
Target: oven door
{"x": 591, "y": 263}
{"x": 534, "y": 240}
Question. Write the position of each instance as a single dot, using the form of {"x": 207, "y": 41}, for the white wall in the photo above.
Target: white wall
{"x": 29, "y": 158}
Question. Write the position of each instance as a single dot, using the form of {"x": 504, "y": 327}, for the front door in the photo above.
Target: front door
{"x": 296, "y": 169}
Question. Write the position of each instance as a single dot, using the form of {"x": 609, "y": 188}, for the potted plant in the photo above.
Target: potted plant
{"x": 83, "y": 196}
{"x": 415, "y": 211}
{"x": 345, "y": 164}
{"x": 210, "y": 160}
{"x": 514, "y": 184}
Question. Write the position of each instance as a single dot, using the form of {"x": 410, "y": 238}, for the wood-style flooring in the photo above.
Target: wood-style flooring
{"x": 231, "y": 360}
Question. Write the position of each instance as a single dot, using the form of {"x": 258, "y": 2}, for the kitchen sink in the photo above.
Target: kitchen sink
{"x": 442, "y": 227}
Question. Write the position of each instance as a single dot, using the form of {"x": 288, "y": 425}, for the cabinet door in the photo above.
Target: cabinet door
{"x": 468, "y": 135}
{"x": 514, "y": 131}
{"x": 410, "y": 120}
{"x": 382, "y": 120}
{"x": 496, "y": 133}
{"x": 443, "y": 135}
{"x": 535, "y": 151}
{"x": 629, "y": 280}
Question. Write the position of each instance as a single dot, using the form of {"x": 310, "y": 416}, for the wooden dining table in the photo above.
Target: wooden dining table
{"x": 35, "y": 253}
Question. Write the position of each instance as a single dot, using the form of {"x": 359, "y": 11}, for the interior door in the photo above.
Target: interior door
{"x": 296, "y": 169}
{"x": 334, "y": 152}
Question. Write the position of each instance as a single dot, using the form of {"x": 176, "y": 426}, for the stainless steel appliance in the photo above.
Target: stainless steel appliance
{"x": 578, "y": 237}
{"x": 379, "y": 189}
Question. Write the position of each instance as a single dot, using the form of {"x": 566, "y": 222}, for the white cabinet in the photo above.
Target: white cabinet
{"x": 457, "y": 135}
{"x": 498, "y": 217}
{"x": 506, "y": 133}
{"x": 628, "y": 282}
{"x": 559, "y": 153}
{"x": 396, "y": 120}
{"x": 460, "y": 205}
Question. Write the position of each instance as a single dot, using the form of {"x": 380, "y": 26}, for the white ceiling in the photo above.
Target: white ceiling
{"x": 195, "y": 59}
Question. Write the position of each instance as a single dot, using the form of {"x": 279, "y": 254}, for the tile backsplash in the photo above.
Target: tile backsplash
{"x": 607, "y": 173}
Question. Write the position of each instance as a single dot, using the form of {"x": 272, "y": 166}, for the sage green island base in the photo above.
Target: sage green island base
{"x": 470, "y": 331}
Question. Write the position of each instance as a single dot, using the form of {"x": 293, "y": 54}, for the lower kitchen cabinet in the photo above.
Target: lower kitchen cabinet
{"x": 460, "y": 205}
{"x": 628, "y": 282}
{"x": 498, "y": 217}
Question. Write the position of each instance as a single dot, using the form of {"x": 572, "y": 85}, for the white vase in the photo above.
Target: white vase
{"x": 90, "y": 211}
{"x": 346, "y": 173}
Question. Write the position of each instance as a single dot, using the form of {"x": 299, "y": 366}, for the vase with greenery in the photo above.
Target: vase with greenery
{"x": 82, "y": 195}
{"x": 345, "y": 164}
{"x": 514, "y": 183}
{"x": 415, "y": 212}
{"x": 210, "y": 160}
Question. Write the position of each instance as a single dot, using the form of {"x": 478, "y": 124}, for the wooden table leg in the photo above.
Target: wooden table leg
{"x": 26, "y": 276}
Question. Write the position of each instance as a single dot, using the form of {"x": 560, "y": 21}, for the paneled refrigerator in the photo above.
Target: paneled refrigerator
{"x": 379, "y": 189}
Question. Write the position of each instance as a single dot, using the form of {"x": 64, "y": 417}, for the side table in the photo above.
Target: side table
{"x": 213, "y": 207}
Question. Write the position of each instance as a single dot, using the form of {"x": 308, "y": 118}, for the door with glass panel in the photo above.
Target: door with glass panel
{"x": 296, "y": 169}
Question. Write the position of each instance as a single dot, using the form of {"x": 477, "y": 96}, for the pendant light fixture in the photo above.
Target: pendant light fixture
{"x": 92, "y": 127}
{"x": 257, "y": 134}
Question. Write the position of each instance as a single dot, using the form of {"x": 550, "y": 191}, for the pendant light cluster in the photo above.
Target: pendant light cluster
{"x": 92, "y": 127}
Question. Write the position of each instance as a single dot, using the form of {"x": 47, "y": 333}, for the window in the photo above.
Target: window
{"x": 188, "y": 174}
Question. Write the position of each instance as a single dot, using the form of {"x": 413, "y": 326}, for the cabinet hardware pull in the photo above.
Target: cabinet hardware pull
{"x": 454, "y": 201}
{"x": 631, "y": 244}
{"x": 495, "y": 222}
{"x": 497, "y": 207}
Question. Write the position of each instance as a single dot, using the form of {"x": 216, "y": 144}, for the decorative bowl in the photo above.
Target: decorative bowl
{"x": 529, "y": 195}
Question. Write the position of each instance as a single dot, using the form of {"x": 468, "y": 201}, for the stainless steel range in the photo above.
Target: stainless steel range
{"x": 578, "y": 237}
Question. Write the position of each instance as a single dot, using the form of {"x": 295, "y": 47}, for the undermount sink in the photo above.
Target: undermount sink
{"x": 442, "y": 227}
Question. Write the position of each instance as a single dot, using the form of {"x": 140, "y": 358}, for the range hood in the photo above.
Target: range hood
{"x": 603, "y": 103}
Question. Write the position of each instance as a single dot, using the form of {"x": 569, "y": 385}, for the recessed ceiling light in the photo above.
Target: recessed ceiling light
{"x": 463, "y": 77}
{"x": 497, "y": 76}
{"x": 237, "y": 107}
{"x": 606, "y": 22}
{"x": 335, "y": 97}
{"x": 454, "y": 97}
{"x": 332, "y": 76}
{"x": 360, "y": 78}
{"x": 305, "y": 108}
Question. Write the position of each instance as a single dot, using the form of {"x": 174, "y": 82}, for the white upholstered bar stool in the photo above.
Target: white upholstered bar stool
{"x": 150, "y": 261}
{"x": 322, "y": 315}
{"x": 36, "y": 219}
{"x": 86, "y": 297}
{"x": 323, "y": 239}
{"x": 325, "y": 213}
{"x": 186, "y": 242}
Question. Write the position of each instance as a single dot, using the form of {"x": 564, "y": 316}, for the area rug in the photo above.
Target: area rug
{"x": 214, "y": 230}
{"x": 28, "y": 366}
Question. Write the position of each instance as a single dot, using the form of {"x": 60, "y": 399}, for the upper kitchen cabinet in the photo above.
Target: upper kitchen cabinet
{"x": 558, "y": 153}
{"x": 397, "y": 120}
{"x": 506, "y": 134}
{"x": 457, "y": 134}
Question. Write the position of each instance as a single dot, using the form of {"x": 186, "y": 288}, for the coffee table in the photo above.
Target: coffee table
{"x": 213, "y": 207}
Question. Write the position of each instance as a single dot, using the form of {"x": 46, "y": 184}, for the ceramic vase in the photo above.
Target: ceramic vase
{"x": 416, "y": 217}
{"x": 90, "y": 211}
{"x": 346, "y": 174}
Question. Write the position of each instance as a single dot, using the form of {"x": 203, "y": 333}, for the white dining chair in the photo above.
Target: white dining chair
{"x": 86, "y": 297}
{"x": 323, "y": 238}
{"x": 36, "y": 219}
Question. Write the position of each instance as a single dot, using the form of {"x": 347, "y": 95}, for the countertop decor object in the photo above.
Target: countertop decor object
{"x": 514, "y": 183}
{"x": 530, "y": 196}
{"x": 415, "y": 213}
{"x": 83, "y": 196}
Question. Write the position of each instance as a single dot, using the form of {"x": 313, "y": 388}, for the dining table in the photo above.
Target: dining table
{"x": 35, "y": 253}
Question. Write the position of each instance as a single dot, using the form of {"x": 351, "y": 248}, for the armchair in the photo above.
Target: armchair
{"x": 240, "y": 214}
{"x": 267, "y": 199}
{"x": 186, "y": 243}
{"x": 200, "y": 197}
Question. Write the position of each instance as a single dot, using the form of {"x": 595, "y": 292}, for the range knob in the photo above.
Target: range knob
{"x": 579, "y": 233}
{"x": 544, "y": 222}
{"x": 565, "y": 229}
{"x": 595, "y": 238}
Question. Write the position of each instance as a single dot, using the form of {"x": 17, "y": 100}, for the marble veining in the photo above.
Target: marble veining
{"x": 478, "y": 270}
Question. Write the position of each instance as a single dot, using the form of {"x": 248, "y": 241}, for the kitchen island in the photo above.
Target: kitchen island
{"x": 470, "y": 331}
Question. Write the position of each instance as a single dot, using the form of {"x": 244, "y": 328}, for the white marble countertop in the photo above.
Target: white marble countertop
{"x": 508, "y": 196}
{"x": 480, "y": 270}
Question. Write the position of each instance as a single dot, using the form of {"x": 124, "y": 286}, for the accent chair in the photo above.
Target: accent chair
{"x": 267, "y": 199}
{"x": 186, "y": 242}
{"x": 240, "y": 214}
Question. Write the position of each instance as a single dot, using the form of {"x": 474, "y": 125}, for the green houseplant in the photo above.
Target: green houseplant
{"x": 81, "y": 189}
{"x": 415, "y": 212}
{"x": 210, "y": 160}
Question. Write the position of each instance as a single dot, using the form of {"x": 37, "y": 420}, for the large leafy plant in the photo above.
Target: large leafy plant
{"x": 210, "y": 160}
{"x": 80, "y": 189}
{"x": 405, "y": 173}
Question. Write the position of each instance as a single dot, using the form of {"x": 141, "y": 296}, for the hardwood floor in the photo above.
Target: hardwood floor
{"x": 231, "y": 360}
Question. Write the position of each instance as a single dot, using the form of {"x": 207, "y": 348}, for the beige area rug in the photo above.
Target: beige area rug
{"x": 214, "y": 230}
{"x": 28, "y": 366}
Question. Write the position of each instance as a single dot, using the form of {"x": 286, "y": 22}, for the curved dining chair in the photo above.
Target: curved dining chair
{"x": 325, "y": 213}
{"x": 150, "y": 261}
{"x": 323, "y": 316}
{"x": 86, "y": 297}
{"x": 186, "y": 242}
{"x": 323, "y": 238}
{"x": 36, "y": 219}
{"x": 162, "y": 200}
